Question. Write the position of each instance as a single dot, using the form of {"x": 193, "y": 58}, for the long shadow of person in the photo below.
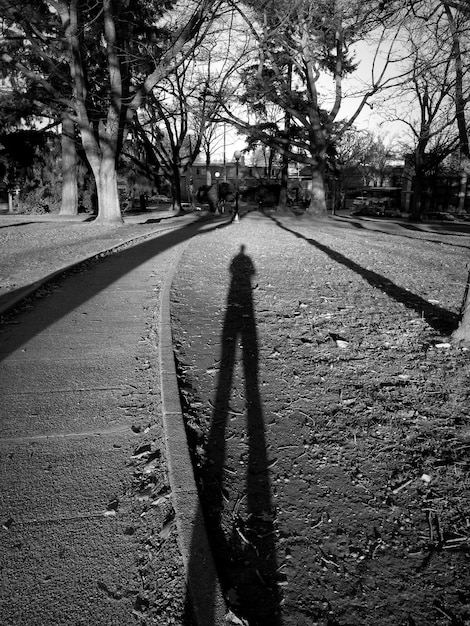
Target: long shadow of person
{"x": 242, "y": 534}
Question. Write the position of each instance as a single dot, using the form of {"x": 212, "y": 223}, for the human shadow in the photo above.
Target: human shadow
{"x": 241, "y": 533}
{"x": 440, "y": 319}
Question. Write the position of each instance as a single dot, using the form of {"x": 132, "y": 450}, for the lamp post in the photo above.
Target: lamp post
{"x": 236, "y": 156}
{"x": 217, "y": 176}
{"x": 225, "y": 159}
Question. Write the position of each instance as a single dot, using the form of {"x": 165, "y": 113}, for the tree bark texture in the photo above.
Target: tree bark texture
{"x": 462, "y": 334}
{"x": 107, "y": 191}
{"x": 100, "y": 149}
{"x": 318, "y": 198}
{"x": 69, "y": 200}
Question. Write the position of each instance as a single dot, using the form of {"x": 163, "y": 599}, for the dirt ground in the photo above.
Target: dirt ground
{"x": 329, "y": 418}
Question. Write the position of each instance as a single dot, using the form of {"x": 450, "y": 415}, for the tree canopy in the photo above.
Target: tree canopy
{"x": 98, "y": 61}
{"x": 110, "y": 66}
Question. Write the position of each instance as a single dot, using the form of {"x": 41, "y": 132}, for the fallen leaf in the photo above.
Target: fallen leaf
{"x": 142, "y": 451}
{"x": 145, "y": 493}
{"x": 166, "y": 530}
{"x": 152, "y": 462}
{"x": 112, "y": 508}
{"x": 161, "y": 500}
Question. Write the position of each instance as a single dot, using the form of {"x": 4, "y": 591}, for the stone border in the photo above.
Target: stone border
{"x": 205, "y": 593}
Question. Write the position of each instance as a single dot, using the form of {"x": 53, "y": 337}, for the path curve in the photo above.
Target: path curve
{"x": 65, "y": 438}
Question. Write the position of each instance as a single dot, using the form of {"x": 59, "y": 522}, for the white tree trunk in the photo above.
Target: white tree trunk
{"x": 109, "y": 210}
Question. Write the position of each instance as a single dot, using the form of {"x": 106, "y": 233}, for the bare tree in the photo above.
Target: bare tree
{"x": 179, "y": 118}
{"x": 442, "y": 89}
{"x": 367, "y": 154}
{"x": 315, "y": 38}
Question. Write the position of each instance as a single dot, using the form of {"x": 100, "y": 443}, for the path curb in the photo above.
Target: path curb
{"x": 205, "y": 593}
{"x": 206, "y": 597}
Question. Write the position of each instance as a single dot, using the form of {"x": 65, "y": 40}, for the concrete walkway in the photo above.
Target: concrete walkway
{"x": 84, "y": 478}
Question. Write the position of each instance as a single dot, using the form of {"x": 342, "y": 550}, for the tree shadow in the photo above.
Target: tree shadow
{"x": 117, "y": 265}
{"x": 440, "y": 319}
{"x": 392, "y": 231}
{"x": 15, "y": 225}
{"x": 241, "y": 533}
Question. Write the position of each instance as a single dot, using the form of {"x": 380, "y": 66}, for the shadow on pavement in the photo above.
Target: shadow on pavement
{"x": 243, "y": 539}
{"x": 118, "y": 264}
{"x": 442, "y": 320}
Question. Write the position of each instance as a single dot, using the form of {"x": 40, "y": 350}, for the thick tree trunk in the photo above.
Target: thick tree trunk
{"x": 462, "y": 334}
{"x": 109, "y": 211}
{"x": 176, "y": 192}
{"x": 416, "y": 209}
{"x": 318, "y": 198}
{"x": 69, "y": 200}
{"x": 100, "y": 150}
{"x": 460, "y": 99}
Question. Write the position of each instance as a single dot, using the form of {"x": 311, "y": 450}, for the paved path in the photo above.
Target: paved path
{"x": 80, "y": 464}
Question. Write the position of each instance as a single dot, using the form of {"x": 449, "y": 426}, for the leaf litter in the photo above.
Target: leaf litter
{"x": 361, "y": 450}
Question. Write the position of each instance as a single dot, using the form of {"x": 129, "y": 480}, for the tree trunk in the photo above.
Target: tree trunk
{"x": 463, "y": 190}
{"x": 460, "y": 100}
{"x": 318, "y": 198}
{"x": 462, "y": 334}
{"x": 109, "y": 211}
{"x": 208, "y": 168}
{"x": 285, "y": 158}
{"x": 176, "y": 192}
{"x": 69, "y": 201}
{"x": 284, "y": 182}
{"x": 100, "y": 150}
{"x": 416, "y": 208}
